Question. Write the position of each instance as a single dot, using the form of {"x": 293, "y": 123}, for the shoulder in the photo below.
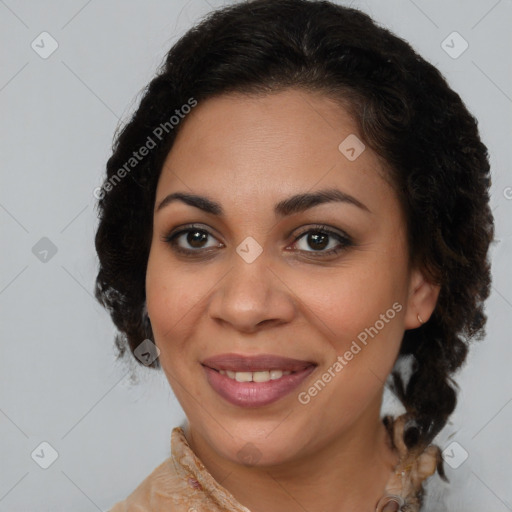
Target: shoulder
{"x": 180, "y": 483}
{"x": 159, "y": 490}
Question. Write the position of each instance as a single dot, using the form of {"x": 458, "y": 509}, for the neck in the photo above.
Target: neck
{"x": 348, "y": 473}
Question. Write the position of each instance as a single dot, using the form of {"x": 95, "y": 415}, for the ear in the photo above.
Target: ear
{"x": 422, "y": 299}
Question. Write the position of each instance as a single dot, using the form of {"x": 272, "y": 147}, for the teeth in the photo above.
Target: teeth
{"x": 261, "y": 376}
{"x": 243, "y": 376}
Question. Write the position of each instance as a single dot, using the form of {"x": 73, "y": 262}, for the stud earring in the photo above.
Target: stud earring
{"x": 420, "y": 320}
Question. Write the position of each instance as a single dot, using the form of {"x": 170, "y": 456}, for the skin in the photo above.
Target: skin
{"x": 248, "y": 153}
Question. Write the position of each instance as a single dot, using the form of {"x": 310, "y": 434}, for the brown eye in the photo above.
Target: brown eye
{"x": 196, "y": 238}
{"x": 318, "y": 239}
{"x": 191, "y": 240}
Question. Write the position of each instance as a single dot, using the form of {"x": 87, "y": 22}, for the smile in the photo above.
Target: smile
{"x": 255, "y": 381}
{"x": 263, "y": 376}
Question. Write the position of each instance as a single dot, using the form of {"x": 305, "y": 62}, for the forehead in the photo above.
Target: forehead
{"x": 269, "y": 146}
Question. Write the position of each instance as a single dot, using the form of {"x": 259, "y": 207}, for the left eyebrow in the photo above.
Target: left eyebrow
{"x": 294, "y": 204}
{"x": 302, "y": 202}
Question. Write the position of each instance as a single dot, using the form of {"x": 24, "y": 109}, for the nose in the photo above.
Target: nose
{"x": 252, "y": 296}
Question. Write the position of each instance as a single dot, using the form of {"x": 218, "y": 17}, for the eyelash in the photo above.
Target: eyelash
{"x": 343, "y": 240}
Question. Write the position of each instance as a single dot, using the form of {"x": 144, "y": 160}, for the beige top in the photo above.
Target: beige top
{"x": 183, "y": 484}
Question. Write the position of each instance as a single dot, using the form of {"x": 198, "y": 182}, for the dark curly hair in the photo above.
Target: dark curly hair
{"x": 406, "y": 113}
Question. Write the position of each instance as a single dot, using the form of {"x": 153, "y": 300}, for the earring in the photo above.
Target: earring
{"x": 391, "y": 502}
{"x": 420, "y": 320}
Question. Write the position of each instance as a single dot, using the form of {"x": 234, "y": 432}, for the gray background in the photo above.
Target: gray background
{"x": 59, "y": 380}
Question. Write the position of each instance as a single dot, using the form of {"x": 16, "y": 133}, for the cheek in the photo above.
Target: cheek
{"x": 348, "y": 302}
{"x": 359, "y": 309}
{"x": 363, "y": 324}
{"x": 171, "y": 298}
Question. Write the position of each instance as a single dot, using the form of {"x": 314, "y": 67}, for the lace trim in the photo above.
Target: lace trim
{"x": 404, "y": 490}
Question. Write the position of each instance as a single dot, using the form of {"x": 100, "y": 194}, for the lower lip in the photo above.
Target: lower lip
{"x": 255, "y": 394}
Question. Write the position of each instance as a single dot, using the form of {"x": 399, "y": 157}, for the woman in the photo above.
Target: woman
{"x": 298, "y": 207}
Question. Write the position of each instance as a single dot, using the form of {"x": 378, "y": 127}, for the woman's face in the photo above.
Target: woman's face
{"x": 324, "y": 283}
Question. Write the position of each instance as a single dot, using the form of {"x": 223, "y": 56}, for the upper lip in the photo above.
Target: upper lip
{"x": 241, "y": 363}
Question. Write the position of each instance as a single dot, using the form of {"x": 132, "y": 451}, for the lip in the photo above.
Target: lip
{"x": 255, "y": 394}
{"x": 241, "y": 363}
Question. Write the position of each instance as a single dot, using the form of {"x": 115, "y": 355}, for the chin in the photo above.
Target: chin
{"x": 258, "y": 444}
